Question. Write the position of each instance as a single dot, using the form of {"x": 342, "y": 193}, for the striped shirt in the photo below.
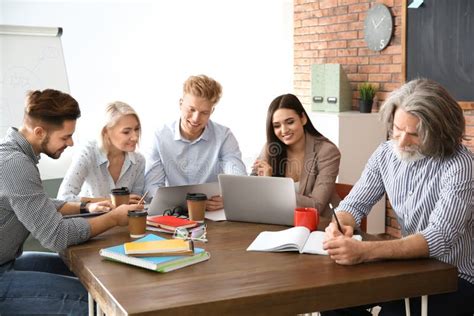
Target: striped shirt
{"x": 89, "y": 174}
{"x": 432, "y": 197}
{"x": 26, "y": 208}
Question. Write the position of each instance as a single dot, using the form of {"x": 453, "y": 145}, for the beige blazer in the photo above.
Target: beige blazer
{"x": 318, "y": 176}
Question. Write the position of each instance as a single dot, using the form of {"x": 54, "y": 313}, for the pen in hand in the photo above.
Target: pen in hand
{"x": 335, "y": 217}
{"x": 143, "y": 197}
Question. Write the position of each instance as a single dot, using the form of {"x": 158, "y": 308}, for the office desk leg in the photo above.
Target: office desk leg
{"x": 424, "y": 305}
{"x": 99, "y": 311}
{"x": 407, "y": 307}
{"x": 93, "y": 304}
{"x": 90, "y": 304}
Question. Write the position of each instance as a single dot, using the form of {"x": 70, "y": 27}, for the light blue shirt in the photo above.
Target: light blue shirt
{"x": 174, "y": 160}
{"x": 89, "y": 174}
{"x": 432, "y": 197}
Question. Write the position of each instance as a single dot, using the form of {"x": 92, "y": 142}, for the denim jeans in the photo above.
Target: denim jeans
{"x": 40, "y": 283}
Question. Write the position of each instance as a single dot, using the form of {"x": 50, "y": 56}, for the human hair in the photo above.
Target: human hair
{"x": 50, "y": 108}
{"x": 113, "y": 113}
{"x": 441, "y": 124}
{"x": 204, "y": 87}
{"x": 276, "y": 150}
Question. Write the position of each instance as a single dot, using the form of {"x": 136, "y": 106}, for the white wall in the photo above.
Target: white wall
{"x": 140, "y": 52}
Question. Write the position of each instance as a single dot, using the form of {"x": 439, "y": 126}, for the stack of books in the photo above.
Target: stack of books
{"x": 156, "y": 253}
{"x": 168, "y": 224}
{"x": 155, "y": 248}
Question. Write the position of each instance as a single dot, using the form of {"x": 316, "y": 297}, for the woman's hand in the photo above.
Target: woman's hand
{"x": 215, "y": 203}
{"x": 262, "y": 168}
{"x": 134, "y": 199}
{"x": 102, "y": 206}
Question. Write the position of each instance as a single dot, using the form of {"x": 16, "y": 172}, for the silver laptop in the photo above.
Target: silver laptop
{"x": 169, "y": 197}
{"x": 269, "y": 200}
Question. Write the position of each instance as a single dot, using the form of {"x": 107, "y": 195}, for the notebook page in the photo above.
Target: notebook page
{"x": 291, "y": 239}
{"x": 314, "y": 244}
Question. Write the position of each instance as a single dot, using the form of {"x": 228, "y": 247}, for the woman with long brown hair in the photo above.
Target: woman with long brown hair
{"x": 295, "y": 149}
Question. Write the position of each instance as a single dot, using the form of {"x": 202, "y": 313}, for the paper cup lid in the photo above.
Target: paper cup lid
{"x": 196, "y": 196}
{"x": 137, "y": 213}
{"x": 120, "y": 191}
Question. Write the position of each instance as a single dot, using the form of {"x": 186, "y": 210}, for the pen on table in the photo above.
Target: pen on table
{"x": 335, "y": 217}
{"x": 143, "y": 197}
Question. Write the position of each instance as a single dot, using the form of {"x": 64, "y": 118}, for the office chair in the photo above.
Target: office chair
{"x": 342, "y": 190}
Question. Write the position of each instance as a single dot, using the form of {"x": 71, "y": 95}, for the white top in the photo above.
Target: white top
{"x": 89, "y": 175}
{"x": 297, "y": 187}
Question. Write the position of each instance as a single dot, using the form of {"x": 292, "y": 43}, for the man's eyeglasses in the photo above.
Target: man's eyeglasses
{"x": 177, "y": 211}
{"x": 195, "y": 234}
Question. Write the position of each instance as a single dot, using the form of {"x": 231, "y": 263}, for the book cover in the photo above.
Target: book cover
{"x": 159, "y": 247}
{"x": 159, "y": 230}
{"x": 159, "y": 264}
{"x": 292, "y": 239}
{"x": 170, "y": 222}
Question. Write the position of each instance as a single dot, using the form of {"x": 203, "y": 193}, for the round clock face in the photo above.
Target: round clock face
{"x": 378, "y": 26}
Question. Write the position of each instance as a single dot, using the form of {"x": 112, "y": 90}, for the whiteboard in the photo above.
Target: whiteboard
{"x": 31, "y": 58}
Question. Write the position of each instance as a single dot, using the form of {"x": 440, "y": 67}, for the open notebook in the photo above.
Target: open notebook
{"x": 293, "y": 239}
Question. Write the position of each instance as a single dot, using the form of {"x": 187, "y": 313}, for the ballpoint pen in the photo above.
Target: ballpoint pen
{"x": 335, "y": 217}
{"x": 143, "y": 197}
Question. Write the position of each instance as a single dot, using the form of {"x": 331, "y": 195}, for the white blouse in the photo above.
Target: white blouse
{"x": 89, "y": 175}
{"x": 297, "y": 187}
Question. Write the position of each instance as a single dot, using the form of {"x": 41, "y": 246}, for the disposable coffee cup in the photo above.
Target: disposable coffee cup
{"x": 120, "y": 196}
{"x": 137, "y": 223}
{"x": 196, "y": 206}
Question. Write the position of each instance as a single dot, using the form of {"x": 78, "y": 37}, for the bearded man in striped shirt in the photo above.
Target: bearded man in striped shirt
{"x": 427, "y": 174}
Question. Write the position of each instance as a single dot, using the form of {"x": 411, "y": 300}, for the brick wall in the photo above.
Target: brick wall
{"x": 469, "y": 116}
{"x": 331, "y": 31}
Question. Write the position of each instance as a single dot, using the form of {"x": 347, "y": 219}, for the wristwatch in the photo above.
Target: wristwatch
{"x": 83, "y": 208}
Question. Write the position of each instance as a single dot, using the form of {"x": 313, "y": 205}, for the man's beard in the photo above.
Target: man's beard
{"x": 47, "y": 152}
{"x": 408, "y": 153}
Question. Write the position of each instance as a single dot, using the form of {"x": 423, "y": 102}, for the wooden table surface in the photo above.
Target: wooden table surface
{"x": 235, "y": 281}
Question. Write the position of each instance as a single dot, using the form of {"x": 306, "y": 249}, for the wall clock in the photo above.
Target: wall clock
{"x": 378, "y": 26}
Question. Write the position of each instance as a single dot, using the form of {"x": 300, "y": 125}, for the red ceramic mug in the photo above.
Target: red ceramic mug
{"x": 307, "y": 217}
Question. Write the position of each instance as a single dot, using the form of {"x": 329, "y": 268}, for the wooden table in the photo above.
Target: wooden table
{"x": 235, "y": 281}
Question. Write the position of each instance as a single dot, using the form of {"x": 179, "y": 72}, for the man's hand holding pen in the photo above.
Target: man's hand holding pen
{"x": 333, "y": 231}
{"x": 341, "y": 247}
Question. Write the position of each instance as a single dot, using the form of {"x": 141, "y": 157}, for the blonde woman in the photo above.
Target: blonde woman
{"x": 109, "y": 163}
